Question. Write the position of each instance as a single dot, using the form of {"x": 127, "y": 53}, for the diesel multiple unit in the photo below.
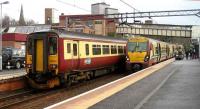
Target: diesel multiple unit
{"x": 54, "y": 58}
{"x": 143, "y": 52}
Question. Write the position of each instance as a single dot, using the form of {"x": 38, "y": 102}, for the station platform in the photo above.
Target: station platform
{"x": 12, "y": 80}
{"x": 175, "y": 86}
{"x": 14, "y": 73}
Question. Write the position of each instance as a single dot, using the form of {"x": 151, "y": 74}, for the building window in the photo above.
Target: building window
{"x": 106, "y": 49}
{"x": 79, "y": 30}
{"x": 75, "y": 49}
{"x": 68, "y": 48}
{"x": 96, "y": 49}
{"x": 98, "y": 22}
{"x": 87, "y": 49}
{"x": 113, "y": 49}
{"x": 120, "y": 50}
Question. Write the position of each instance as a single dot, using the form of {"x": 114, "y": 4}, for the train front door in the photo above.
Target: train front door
{"x": 39, "y": 55}
{"x": 71, "y": 51}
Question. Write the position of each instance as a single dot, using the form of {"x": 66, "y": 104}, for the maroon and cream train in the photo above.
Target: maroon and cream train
{"x": 59, "y": 57}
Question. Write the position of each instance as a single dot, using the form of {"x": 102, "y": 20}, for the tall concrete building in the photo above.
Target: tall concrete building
{"x": 21, "y": 18}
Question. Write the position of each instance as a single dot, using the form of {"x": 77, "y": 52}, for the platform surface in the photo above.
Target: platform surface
{"x": 177, "y": 86}
{"x": 9, "y": 74}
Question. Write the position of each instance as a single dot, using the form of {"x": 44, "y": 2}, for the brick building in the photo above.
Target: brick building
{"x": 91, "y": 24}
{"x": 14, "y": 40}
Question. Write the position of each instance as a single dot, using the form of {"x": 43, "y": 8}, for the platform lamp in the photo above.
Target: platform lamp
{"x": 6, "y": 2}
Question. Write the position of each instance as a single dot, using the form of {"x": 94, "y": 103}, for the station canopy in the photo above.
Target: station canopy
{"x": 27, "y": 29}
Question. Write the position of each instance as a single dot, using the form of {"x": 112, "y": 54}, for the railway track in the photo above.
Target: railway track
{"x": 26, "y": 96}
{"x": 48, "y": 97}
{"x": 10, "y": 96}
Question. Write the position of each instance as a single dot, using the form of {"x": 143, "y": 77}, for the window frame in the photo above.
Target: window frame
{"x": 56, "y": 47}
{"x": 105, "y": 49}
{"x": 96, "y": 49}
{"x": 87, "y": 49}
{"x": 75, "y": 51}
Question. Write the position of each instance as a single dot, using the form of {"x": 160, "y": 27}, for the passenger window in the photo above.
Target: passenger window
{"x": 113, "y": 49}
{"x": 157, "y": 50}
{"x": 75, "y": 49}
{"x": 120, "y": 50}
{"x": 68, "y": 48}
{"x": 106, "y": 49}
{"x": 87, "y": 49}
{"x": 96, "y": 49}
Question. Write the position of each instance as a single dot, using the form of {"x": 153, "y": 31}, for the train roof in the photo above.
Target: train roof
{"x": 83, "y": 36}
{"x": 146, "y": 38}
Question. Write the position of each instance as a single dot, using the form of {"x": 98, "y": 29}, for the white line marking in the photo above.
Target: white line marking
{"x": 138, "y": 106}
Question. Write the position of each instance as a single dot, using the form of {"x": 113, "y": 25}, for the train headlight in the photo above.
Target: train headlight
{"x": 53, "y": 66}
{"x": 146, "y": 58}
{"x": 127, "y": 58}
{"x": 28, "y": 65}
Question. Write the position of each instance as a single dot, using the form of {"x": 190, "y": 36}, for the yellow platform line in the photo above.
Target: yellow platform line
{"x": 90, "y": 98}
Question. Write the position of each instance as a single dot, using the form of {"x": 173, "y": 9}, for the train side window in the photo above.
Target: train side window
{"x": 106, "y": 49}
{"x": 120, "y": 50}
{"x": 157, "y": 50}
{"x": 96, "y": 49}
{"x": 87, "y": 49}
{"x": 68, "y": 48}
{"x": 52, "y": 45}
{"x": 113, "y": 49}
{"x": 75, "y": 49}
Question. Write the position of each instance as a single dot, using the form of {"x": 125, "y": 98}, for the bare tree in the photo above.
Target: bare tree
{"x": 30, "y": 22}
{"x": 13, "y": 22}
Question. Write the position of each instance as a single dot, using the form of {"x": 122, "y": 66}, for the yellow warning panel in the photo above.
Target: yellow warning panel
{"x": 39, "y": 55}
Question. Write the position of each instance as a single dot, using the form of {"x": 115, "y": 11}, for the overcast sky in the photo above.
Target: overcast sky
{"x": 34, "y": 9}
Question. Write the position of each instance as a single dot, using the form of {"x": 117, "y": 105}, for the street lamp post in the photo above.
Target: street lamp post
{"x": 6, "y": 2}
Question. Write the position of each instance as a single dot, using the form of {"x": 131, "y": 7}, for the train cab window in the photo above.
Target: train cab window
{"x": 29, "y": 46}
{"x": 52, "y": 45}
{"x": 96, "y": 49}
{"x": 75, "y": 49}
{"x": 137, "y": 46}
{"x": 106, "y": 49}
{"x": 113, "y": 49}
{"x": 120, "y": 50}
{"x": 87, "y": 49}
{"x": 68, "y": 48}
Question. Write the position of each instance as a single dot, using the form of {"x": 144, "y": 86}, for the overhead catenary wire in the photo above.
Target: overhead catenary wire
{"x": 73, "y": 5}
